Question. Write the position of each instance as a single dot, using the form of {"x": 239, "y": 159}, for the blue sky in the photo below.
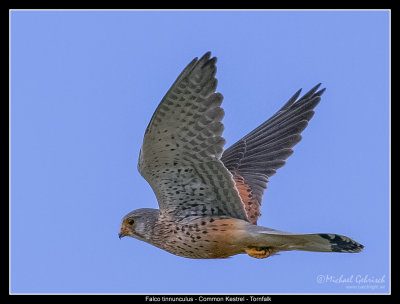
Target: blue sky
{"x": 84, "y": 85}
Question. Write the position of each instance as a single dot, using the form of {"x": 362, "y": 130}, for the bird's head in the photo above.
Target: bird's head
{"x": 139, "y": 224}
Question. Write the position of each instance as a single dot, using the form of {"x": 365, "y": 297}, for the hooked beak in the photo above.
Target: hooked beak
{"x": 122, "y": 233}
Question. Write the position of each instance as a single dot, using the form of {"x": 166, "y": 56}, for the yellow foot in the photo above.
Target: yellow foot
{"x": 259, "y": 253}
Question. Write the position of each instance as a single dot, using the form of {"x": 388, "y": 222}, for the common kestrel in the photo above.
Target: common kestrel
{"x": 209, "y": 198}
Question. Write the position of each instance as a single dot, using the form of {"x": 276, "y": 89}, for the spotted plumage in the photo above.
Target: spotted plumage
{"x": 209, "y": 198}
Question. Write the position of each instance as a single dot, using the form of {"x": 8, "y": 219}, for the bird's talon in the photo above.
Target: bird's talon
{"x": 259, "y": 253}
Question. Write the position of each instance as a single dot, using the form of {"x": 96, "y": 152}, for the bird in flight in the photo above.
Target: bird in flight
{"x": 209, "y": 198}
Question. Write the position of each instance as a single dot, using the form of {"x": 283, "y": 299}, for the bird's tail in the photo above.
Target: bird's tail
{"x": 275, "y": 240}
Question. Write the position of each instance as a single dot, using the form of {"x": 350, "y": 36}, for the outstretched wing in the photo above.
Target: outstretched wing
{"x": 256, "y": 157}
{"x": 182, "y": 147}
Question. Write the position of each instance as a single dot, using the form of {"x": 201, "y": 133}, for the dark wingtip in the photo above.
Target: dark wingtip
{"x": 316, "y": 87}
{"x": 208, "y": 61}
{"x": 297, "y": 94}
{"x": 320, "y": 92}
{"x": 311, "y": 93}
{"x": 206, "y": 56}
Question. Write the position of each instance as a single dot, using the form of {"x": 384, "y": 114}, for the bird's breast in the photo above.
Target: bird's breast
{"x": 203, "y": 238}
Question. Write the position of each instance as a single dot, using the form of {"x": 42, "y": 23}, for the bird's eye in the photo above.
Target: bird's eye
{"x": 131, "y": 222}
